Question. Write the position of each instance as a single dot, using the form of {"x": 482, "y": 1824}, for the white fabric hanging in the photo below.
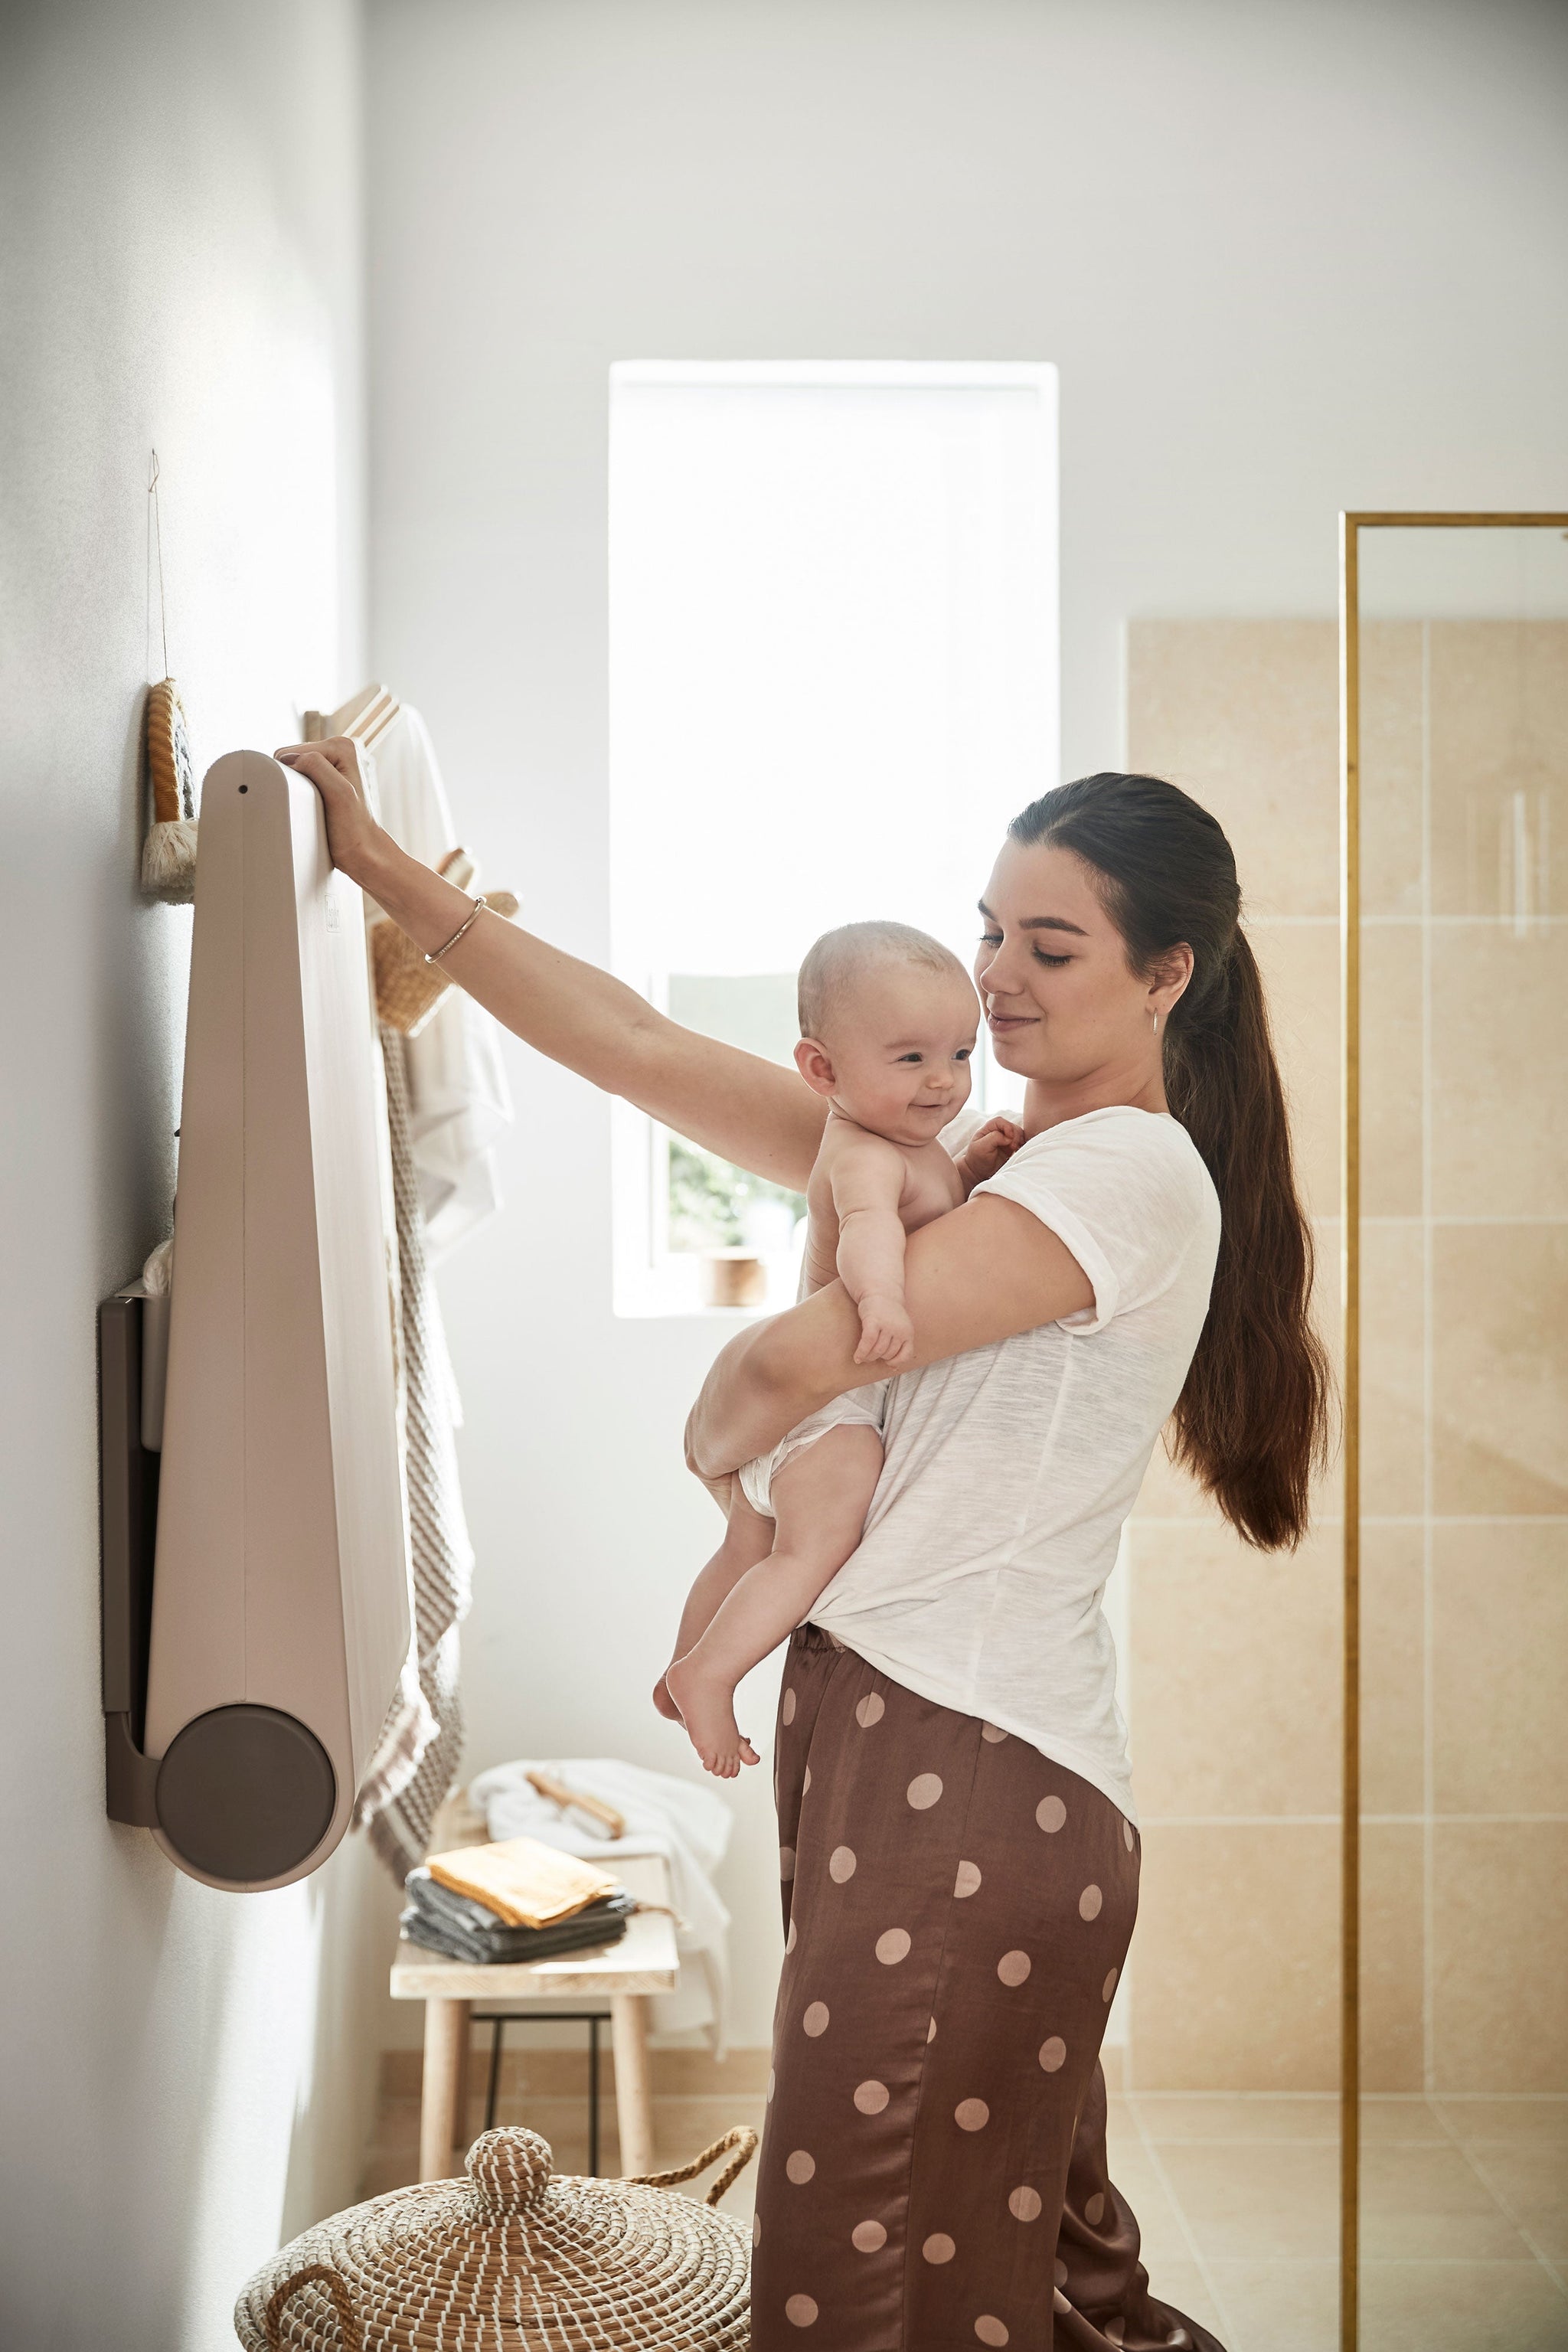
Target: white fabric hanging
{"x": 458, "y": 1101}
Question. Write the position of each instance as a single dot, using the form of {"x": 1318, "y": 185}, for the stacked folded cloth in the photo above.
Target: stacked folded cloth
{"x": 518, "y": 1900}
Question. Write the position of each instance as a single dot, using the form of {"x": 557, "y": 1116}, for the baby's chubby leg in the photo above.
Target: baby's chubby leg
{"x": 821, "y": 1496}
{"x": 748, "y": 1538}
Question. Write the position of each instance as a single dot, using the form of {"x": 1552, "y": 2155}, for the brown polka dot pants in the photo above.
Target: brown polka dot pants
{"x": 957, "y": 1910}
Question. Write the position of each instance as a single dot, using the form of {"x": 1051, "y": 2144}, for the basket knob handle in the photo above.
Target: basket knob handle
{"x": 511, "y": 2168}
{"x": 316, "y": 2273}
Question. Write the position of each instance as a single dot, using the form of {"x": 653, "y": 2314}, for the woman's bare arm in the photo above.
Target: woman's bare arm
{"x": 980, "y": 1274}
{"x": 753, "y": 1112}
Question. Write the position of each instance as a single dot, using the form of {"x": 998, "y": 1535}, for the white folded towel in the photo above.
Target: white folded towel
{"x": 687, "y": 1824}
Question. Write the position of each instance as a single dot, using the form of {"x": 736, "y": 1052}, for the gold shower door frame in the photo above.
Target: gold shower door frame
{"x": 1350, "y": 528}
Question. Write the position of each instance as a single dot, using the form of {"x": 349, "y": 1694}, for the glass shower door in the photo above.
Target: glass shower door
{"x": 1462, "y": 636}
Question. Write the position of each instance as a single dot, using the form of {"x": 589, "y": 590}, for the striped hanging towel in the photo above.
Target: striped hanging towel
{"x": 416, "y": 1758}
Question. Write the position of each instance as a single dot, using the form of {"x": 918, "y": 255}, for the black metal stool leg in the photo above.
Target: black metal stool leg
{"x": 593, "y": 2097}
{"x": 496, "y": 2025}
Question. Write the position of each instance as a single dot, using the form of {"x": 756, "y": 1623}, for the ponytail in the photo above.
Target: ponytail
{"x": 1251, "y": 1422}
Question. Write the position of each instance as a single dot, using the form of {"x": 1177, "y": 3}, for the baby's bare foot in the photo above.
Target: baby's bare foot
{"x": 662, "y": 1700}
{"x": 705, "y": 1709}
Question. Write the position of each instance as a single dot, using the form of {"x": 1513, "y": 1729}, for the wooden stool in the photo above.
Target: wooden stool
{"x": 624, "y": 1974}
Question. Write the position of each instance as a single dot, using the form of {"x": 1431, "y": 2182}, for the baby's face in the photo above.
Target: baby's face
{"x": 900, "y": 1039}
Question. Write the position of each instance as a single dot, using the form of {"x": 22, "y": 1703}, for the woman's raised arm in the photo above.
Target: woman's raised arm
{"x": 980, "y": 1274}
{"x": 753, "y": 1112}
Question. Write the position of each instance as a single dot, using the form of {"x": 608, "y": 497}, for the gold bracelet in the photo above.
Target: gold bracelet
{"x": 473, "y": 918}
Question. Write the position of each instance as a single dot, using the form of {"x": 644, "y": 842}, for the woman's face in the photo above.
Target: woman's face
{"x": 1061, "y": 1001}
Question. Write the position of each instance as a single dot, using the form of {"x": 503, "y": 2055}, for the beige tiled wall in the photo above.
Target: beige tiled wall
{"x": 1235, "y": 1660}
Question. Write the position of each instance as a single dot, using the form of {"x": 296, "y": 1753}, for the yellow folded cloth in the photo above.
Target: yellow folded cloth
{"x": 523, "y": 1882}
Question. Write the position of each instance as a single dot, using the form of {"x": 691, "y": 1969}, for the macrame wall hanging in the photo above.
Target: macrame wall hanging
{"x": 169, "y": 852}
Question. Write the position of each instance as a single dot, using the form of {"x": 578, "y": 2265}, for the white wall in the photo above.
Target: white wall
{"x": 1287, "y": 259}
{"x": 183, "y": 2074}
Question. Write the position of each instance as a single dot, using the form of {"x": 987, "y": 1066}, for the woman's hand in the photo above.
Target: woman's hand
{"x": 353, "y": 837}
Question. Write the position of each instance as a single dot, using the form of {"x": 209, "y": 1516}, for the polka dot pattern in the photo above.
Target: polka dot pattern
{"x": 1033, "y": 1900}
{"x": 1094, "y": 2210}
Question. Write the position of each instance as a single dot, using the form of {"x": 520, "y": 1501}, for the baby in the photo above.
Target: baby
{"x": 888, "y": 1022}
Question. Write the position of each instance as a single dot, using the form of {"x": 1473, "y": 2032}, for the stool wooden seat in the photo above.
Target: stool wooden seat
{"x": 624, "y": 1975}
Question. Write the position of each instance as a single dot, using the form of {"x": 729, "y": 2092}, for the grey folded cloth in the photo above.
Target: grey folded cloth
{"x": 445, "y": 1921}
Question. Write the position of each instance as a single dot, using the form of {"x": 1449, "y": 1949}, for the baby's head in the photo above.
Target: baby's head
{"x": 888, "y": 1022}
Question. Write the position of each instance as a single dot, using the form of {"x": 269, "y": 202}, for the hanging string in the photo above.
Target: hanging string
{"x": 155, "y": 539}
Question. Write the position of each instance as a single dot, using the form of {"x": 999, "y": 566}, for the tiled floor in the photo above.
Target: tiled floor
{"x": 1463, "y": 2218}
{"x": 1464, "y": 2210}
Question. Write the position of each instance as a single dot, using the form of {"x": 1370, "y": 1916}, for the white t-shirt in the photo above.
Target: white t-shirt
{"x": 1010, "y": 1470}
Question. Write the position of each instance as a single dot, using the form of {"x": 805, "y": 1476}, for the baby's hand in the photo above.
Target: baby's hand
{"x": 990, "y": 1147}
{"x": 887, "y": 1335}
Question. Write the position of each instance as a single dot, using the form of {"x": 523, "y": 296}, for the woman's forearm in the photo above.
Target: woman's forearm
{"x": 982, "y": 1273}
{"x": 748, "y": 1110}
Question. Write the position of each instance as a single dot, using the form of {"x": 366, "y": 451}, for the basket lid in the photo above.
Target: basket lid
{"x": 514, "y": 2258}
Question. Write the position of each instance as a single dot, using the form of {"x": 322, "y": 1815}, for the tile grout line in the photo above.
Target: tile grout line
{"x": 1200, "y": 2261}
{"x": 1500, "y": 2202}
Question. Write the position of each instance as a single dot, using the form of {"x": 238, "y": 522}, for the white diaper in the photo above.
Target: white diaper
{"x": 860, "y": 1409}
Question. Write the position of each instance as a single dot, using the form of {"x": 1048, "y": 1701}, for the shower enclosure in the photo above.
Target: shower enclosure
{"x": 1454, "y": 1240}
{"x": 1418, "y": 1734}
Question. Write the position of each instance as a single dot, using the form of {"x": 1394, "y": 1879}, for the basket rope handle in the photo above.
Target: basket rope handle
{"x": 740, "y": 2138}
{"x": 318, "y": 2275}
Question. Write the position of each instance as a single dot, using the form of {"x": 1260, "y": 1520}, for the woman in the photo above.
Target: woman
{"x": 958, "y": 1845}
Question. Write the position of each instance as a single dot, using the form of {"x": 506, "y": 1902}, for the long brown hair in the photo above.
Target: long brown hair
{"x": 1252, "y": 1420}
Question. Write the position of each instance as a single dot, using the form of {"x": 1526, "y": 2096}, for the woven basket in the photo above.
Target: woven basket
{"x": 515, "y": 2259}
{"x": 408, "y": 988}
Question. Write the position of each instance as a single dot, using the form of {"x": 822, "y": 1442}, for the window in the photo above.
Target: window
{"x": 833, "y": 680}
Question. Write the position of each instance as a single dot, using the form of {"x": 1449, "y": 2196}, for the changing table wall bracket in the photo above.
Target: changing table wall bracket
{"x": 128, "y": 1527}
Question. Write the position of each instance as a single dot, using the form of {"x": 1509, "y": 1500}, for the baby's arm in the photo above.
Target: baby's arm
{"x": 988, "y": 1149}
{"x": 868, "y": 1179}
